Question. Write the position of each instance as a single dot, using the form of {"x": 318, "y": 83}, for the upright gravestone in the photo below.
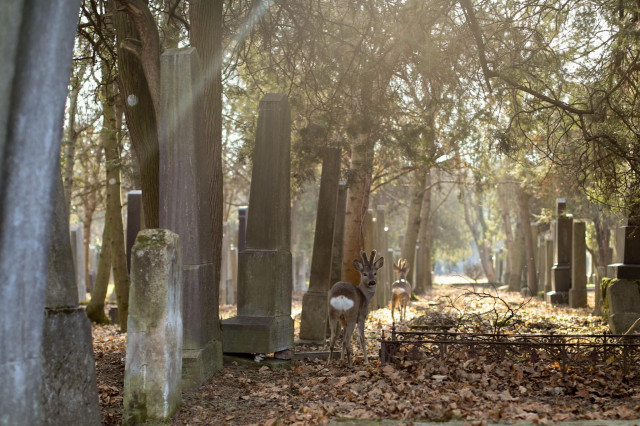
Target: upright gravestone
{"x": 338, "y": 234}
{"x": 154, "y": 337}
{"x": 69, "y": 393}
{"x": 77, "y": 254}
{"x": 243, "y": 213}
{"x": 36, "y": 47}
{"x": 578, "y": 291}
{"x": 264, "y": 323}
{"x": 135, "y": 221}
{"x": 548, "y": 270}
{"x": 314, "y": 301}
{"x": 233, "y": 258}
{"x": 561, "y": 270}
{"x": 300, "y": 269}
{"x": 225, "y": 263}
{"x": 185, "y": 209}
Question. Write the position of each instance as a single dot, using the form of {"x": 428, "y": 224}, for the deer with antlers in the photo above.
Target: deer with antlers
{"x": 349, "y": 304}
{"x": 400, "y": 289}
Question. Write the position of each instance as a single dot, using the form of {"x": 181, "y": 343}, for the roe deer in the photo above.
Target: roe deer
{"x": 349, "y": 304}
{"x": 400, "y": 289}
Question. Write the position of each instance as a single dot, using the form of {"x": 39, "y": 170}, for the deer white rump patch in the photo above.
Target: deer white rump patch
{"x": 341, "y": 303}
{"x": 399, "y": 290}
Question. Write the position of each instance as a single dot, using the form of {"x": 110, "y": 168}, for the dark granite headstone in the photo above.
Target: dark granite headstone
{"x": 186, "y": 210}
{"x": 561, "y": 270}
{"x": 314, "y": 301}
{"x": 264, "y": 323}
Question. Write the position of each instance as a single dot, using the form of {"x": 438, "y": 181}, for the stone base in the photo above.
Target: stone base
{"x": 526, "y": 292}
{"x": 200, "y": 364}
{"x": 258, "y": 335}
{"x": 624, "y": 270}
{"x": 557, "y": 297}
{"x": 314, "y": 316}
{"x": 69, "y": 392}
{"x": 619, "y": 323}
{"x": 561, "y": 278}
{"x": 577, "y": 298}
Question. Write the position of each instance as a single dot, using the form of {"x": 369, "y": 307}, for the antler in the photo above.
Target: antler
{"x": 373, "y": 256}
{"x": 368, "y": 261}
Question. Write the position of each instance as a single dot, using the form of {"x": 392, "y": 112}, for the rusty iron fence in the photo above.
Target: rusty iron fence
{"x": 569, "y": 351}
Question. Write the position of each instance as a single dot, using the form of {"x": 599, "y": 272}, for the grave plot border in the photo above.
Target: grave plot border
{"x": 568, "y": 350}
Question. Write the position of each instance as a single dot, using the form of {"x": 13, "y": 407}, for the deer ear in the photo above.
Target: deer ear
{"x": 358, "y": 265}
{"x": 379, "y": 263}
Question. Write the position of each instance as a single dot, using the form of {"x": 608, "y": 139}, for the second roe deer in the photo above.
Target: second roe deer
{"x": 400, "y": 289}
{"x": 349, "y": 304}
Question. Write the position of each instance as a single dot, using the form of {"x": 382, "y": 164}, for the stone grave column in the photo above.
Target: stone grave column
{"x": 561, "y": 270}
{"x": 69, "y": 393}
{"x": 224, "y": 265}
{"x": 243, "y": 213}
{"x": 578, "y": 291}
{"x": 234, "y": 275}
{"x": 36, "y": 47}
{"x": 154, "y": 337}
{"x": 338, "y": 234}
{"x": 548, "y": 244}
{"x": 314, "y": 302}
{"x": 77, "y": 254}
{"x": 264, "y": 324}
{"x": 185, "y": 209}
{"x": 135, "y": 221}
{"x": 622, "y": 287}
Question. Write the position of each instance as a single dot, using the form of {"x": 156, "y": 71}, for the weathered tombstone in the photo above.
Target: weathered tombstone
{"x": 36, "y": 46}
{"x": 185, "y": 209}
{"x": 69, "y": 392}
{"x": 243, "y": 213}
{"x": 300, "y": 277}
{"x": 234, "y": 273}
{"x": 623, "y": 299}
{"x": 154, "y": 337}
{"x": 314, "y": 302}
{"x": 264, "y": 323}
{"x": 548, "y": 270}
{"x": 561, "y": 270}
{"x": 338, "y": 234}
{"x": 224, "y": 265}
{"x": 77, "y": 254}
{"x": 135, "y": 221}
{"x": 627, "y": 252}
{"x": 93, "y": 267}
{"x": 578, "y": 291}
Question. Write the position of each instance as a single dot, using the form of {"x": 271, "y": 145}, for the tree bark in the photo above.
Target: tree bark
{"x": 357, "y": 204}
{"x": 110, "y": 134}
{"x": 72, "y": 134}
{"x": 140, "y": 114}
{"x": 86, "y": 239}
{"x": 508, "y": 234}
{"x": 529, "y": 249}
{"x": 413, "y": 221}
{"x": 424, "y": 279}
{"x": 206, "y": 36}
{"x": 479, "y": 236}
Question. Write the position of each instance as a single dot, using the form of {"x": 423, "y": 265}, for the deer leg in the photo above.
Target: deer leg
{"x": 362, "y": 343}
{"x": 348, "y": 332}
{"x": 333, "y": 326}
{"x": 393, "y": 308}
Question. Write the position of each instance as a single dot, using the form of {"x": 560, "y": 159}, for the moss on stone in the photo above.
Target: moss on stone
{"x": 604, "y": 285}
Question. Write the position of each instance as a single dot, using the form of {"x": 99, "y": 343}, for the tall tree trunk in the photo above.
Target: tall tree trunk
{"x": 140, "y": 113}
{"x": 508, "y": 234}
{"x": 206, "y": 36}
{"x": 357, "y": 204}
{"x": 72, "y": 135}
{"x": 424, "y": 280}
{"x": 529, "y": 249}
{"x": 479, "y": 235}
{"x": 413, "y": 221}
{"x": 110, "y": 135}
{"x": 86, "y": 234}
{"x": 95, "y": 308}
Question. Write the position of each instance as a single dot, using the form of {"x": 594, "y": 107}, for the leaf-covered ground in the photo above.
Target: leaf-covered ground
{"x": 463, "y": 386}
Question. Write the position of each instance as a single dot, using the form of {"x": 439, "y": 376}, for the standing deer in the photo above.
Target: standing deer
{"x": 349, "y": 304}
{"x": 401, "y": 289}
